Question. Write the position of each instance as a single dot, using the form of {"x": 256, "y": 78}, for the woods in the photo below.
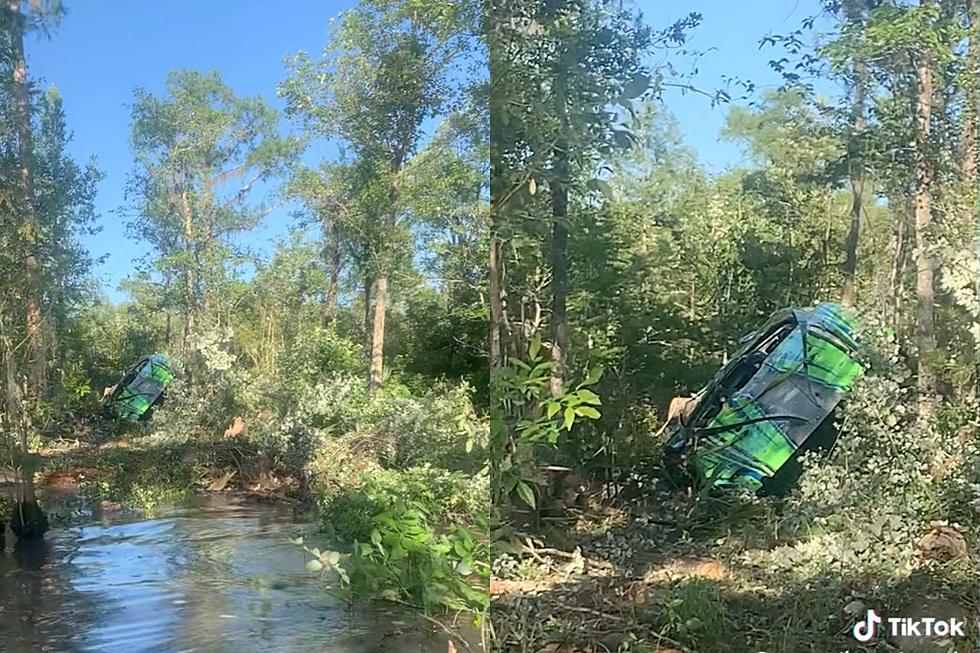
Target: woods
{"x": 339, "y": 370}
{"x": 466, "y": 306}
{"x": 624, "y": 253}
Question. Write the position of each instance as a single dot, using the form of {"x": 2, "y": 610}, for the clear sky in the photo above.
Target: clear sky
{"x": 731, "y": 29}
{"x": 105, "y": 48}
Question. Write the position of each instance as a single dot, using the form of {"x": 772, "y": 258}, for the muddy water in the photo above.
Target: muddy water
{"x": 216, "y": 576}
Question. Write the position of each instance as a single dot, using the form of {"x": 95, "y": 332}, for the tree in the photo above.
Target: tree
{"x": 854, "y": 16}
{"x": 190, "y": 145}
{"x": 384, "y": 73}
{"x": 564, "y": 65}
{"x": 37, "y": 357}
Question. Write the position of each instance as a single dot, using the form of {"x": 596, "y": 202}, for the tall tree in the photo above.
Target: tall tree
{"x": 37, "y": 359}
{"x": 191, "y": 145}
{"x": 384, "y": 73}
{"x": 925, "y": 323}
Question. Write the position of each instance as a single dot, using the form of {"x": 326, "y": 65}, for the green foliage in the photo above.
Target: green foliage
{"x": 408, "y": 561}
{"x": 416, "y": 537}
{"x": 448, "y": 498}
{"x": 529, "y": 422}
{"x": 694, "y": 611}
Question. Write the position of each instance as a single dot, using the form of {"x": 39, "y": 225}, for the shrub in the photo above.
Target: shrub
{"x": 402, "y": 430}
{"x": 419, "y": 537}
{"x": 445, "y": 497}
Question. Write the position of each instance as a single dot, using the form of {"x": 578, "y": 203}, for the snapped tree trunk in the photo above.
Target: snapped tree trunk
{"x": 559, "y": 271}
{"x": 925, "y": 325}
{"x": 37, "y": 354}
{"x": 856, "y": 166}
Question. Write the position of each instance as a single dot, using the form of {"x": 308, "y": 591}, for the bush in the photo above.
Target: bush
{"x": 314, "y": 356}
{"x": 419, "y": 537}
{"x": 444, "y": 497}
{"x": 401, "y": 430}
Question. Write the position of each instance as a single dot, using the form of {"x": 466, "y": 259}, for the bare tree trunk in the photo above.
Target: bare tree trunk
{"x": 496, "y": 307}
{"x": 28, "y": 520}
{"x": 22, "y": 115}
{"x": 378, "y": 337}
{"x": 925, "y": 323}
{"x": 559, "y": 271}
{"x": 856, "y": 165}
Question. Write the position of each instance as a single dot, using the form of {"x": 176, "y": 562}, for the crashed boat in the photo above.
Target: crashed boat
{"x": 775, "y": 399}
{"x": 140, "y": 389}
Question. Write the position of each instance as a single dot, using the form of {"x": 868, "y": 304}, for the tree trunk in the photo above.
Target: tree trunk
{"x": 25, "y": 153}
{"x": 367, "y": 311}
{"x": 856, "y": 166}
{"x": 378, "y": 337}
{"x": 496, "y": 307}
{"x": 332, "y": 255}
{"x": 925, "y": 327}
{"x": 559, "y": 271}
{"x": 189, "y": 282}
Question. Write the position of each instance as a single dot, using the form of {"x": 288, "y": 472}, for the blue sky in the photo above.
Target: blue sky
{"x": 731, "y": 29}
{"x": 105, "y": 48}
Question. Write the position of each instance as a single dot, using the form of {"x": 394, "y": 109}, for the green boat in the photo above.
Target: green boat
{"x": 775, "y": 399}
{"x": 140, "y": 389}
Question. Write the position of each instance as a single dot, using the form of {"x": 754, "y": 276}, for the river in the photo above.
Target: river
{"x": 216, "y": 575}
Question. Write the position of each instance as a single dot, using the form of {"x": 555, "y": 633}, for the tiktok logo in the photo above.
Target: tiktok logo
{"x": 864, "y": 631}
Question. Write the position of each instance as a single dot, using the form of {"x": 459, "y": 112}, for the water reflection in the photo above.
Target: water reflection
{"x": 211, "y": 577}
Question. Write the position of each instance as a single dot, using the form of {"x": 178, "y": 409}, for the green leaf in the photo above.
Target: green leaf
{"x": 551, "y": 407}
{"x": 594, "y": 375}
{"x": 569, "y": 419}
{"x": 375, "y": 537}
{"x": 589, "y": 397}
{"x": 333, "y": 558}
{"x": 534, "y": 348}
{"x": 366, "y": 550}
{"x": 526, "y": 494}
{"x": 314, "y": 566}
{"x": 587, "y": 411}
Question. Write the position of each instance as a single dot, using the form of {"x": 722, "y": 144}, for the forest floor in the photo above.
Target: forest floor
{"x": 696, "y": 580}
